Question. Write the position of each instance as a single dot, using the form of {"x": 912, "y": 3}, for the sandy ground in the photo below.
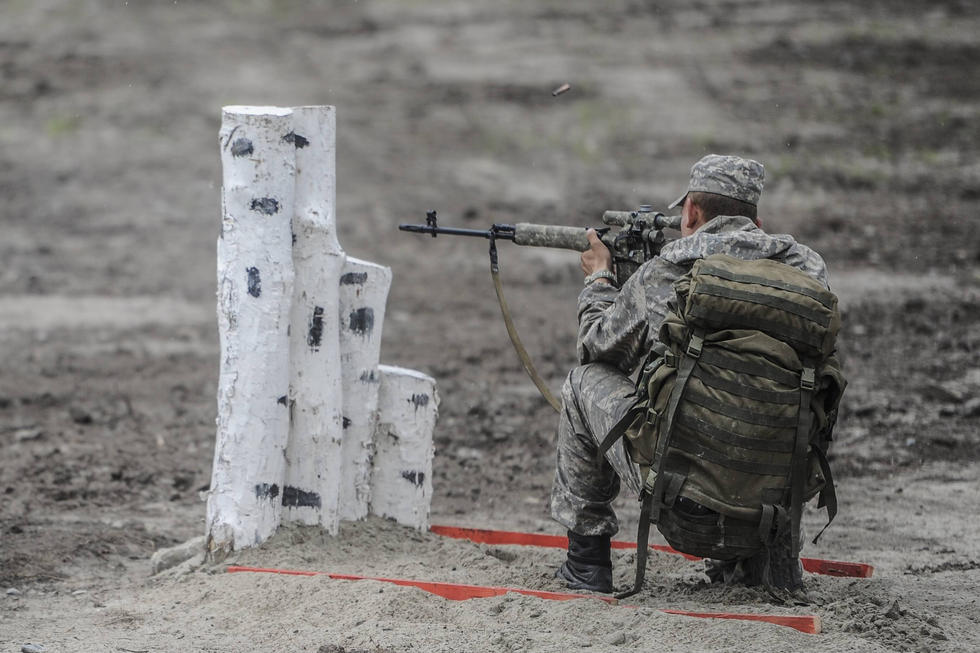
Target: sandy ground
{"x": 865, "y": 114}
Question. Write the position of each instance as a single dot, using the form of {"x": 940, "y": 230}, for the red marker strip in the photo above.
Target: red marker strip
{"x": 458, "y": 592}
{"x": 451, "y": 591}
{"x": 809, "y": 624}
{"x": 485, "y": 536}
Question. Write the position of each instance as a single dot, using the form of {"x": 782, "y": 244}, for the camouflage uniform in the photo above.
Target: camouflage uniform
{"x": 617, "y": 330}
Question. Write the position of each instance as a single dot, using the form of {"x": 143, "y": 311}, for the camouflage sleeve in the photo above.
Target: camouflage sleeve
{"x": 618, "y": 327}
{"x": 810, "y": 262}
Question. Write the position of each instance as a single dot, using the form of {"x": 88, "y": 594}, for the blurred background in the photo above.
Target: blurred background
{"x": 865, "y": 115}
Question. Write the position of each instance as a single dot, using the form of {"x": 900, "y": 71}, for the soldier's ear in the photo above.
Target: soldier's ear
{"x": 695, "y": 216}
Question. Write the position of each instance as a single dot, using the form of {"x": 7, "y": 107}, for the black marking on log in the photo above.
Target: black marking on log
{"x": 316, "y": 329}
{"x": 254, "y": 282}
{"x": 293, "y": 497}
{"x": 297, "y": 140}
{"x": 353, "y": 278}
{"x": 266, "y": 491}
{"x": 284, "y": 400}
{"x": 369, "y": 376}
{"x": 241, "y": 147}
{"x": 230, "y": 136}
{"x": 362, "y": 321}
{"x": 346, "y": 422}
{"x": 417, "y": 478}
{"x": 266, "y": 205}
{"x": 293, "y": 234}
{"x": 419, "y": 400}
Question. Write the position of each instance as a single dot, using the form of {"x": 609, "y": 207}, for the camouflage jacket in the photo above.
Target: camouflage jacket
{"x": 620, "y": 326}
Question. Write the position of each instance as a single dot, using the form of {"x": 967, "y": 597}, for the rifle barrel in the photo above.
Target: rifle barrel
{"x": 450, "y": 231}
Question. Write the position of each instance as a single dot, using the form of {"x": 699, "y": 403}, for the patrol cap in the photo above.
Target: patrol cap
{"x": 731, "y": 176}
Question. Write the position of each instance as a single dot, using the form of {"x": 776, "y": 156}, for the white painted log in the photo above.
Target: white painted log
{"x": 164, "y": 559}
{"x": 363, "y": 293}
{"x": 313, "y": 459}
{"x": 402, "y": 473}
{"x": 255, "y": 283}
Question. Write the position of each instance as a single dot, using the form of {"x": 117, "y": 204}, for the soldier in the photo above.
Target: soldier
{"x": 618, "y": 328}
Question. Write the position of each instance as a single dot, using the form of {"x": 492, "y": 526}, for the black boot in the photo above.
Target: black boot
{"x": 773, "y": 566}
{"x": 588, "y": 566}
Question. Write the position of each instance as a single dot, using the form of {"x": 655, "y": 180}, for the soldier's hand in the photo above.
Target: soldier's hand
{"x": 597, "y": 257}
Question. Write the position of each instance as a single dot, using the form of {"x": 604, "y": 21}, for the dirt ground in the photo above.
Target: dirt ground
{"x": 864, "y": 113}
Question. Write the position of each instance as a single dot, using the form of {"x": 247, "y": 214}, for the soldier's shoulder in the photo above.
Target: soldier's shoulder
{"x": 813, "y": 263}
{"x": 664, "y": 269}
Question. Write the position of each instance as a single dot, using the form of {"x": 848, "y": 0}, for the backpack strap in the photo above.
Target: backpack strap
{"x": 640, "y": 406}
{"x": 828, "y": 495}
{"x": 619, "y": 430}
{"x": 653, "y": 486}
{"x": 684, "y": 369}
{"x": 642, "y": 541}
{"x": 769, "y": 511}
{"x": 799, "y": 464}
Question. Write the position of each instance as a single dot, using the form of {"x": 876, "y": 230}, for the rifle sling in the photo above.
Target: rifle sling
{"x": 516, "y": 340}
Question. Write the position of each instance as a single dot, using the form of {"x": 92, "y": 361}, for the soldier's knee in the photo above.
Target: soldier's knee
{"x": 580, "y": 377}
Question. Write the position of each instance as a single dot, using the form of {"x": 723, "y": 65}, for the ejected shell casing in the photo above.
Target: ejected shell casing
{"x": 561, "y": 89}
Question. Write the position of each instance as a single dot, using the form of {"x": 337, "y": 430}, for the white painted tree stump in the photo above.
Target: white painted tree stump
{"x": 402, "y": 475}
{"x": 310, "y": 427}
{"x": 363, "y": 294}
{"x": 255, "y": 284}
{"x": 314, "y": 460}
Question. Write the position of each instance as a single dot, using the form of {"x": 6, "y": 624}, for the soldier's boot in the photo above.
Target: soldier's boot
{"x": 588, "y": 565}
{"x": 774, "y": 566}
{"x": 723, "y": 571}
{"x": 785, "y": 572}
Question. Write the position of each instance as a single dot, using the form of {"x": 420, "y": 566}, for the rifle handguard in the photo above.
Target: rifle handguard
{"x": 555, "y": 236}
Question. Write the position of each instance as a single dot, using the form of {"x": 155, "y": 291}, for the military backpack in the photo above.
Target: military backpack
{"x": 735, "y": 415}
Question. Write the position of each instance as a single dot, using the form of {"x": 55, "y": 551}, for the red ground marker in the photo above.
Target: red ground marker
{"x": 809, "y": 624}
{"x": 485, "y": 536}
{"x": 451, "y": 591}
{"x": 457, "y": 592}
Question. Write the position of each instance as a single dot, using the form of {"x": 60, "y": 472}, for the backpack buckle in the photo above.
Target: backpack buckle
{"x": 648, "y": 483}
{"x": 808, "y": 378}
{"x": 652, "y": 416}
{"x": 694, "y": 346}
{"x": 670, "y": 358}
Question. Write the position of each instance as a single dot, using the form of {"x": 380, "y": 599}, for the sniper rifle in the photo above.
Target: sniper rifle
{"x": 640, "y": 237}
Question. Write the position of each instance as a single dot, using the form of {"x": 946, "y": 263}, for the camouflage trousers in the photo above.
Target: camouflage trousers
{"x": 594, "y": 398}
